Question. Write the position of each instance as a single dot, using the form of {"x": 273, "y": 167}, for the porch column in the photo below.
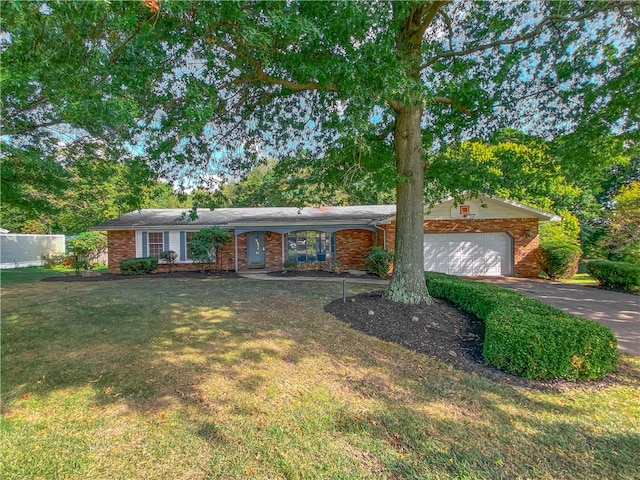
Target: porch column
{"x": 235, "y": 247}
{"x": 282, "y": 238}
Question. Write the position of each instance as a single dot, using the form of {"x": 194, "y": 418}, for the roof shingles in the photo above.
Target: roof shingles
{"x": 355, "y": 215}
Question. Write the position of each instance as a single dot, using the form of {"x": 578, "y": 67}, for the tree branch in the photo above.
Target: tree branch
{"x": 262, "y": 76}
{"x": 430, "y": 15}
{"x": 537, "y": 30}
{"x": 448, "y": 101}
{"x": 388, "y": 130}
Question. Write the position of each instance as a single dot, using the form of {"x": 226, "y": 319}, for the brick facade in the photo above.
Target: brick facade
{"x": 121, "y": 244}
{"x": 273, "y": 250}
{"x": 352, "y": 245}
{"x": 523, "y": 231}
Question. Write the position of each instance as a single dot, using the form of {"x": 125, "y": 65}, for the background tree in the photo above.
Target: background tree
{"x": 622, "y": 241}
{"x": 250, "y": 79}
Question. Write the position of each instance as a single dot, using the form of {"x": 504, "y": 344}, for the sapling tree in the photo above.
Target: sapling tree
{"x": 204, "y": 245}
{"x": 87, "y": 248}
{"x": 169, "y": 257}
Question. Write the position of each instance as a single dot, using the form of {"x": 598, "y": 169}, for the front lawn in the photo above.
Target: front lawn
{"x": 233, "y": 378}
{"x": 32, "y": 274}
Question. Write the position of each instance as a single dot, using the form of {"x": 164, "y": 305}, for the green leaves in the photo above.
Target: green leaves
{"x": 527, "y": 337}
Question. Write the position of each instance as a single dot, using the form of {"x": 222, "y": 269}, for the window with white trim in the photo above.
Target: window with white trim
{"x": 156, "y": 243}
{"x": 309, "y": 246}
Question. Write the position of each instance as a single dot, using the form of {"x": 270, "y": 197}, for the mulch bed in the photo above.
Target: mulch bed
{"x": 440, "y": 331}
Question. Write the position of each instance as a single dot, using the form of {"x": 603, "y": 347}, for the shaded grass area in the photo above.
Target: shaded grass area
{"x": 11, "y": 276}
{"x": 236, "y": 378}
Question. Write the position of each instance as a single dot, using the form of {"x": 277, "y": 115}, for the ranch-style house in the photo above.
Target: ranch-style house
{"x": 484, "y": 236}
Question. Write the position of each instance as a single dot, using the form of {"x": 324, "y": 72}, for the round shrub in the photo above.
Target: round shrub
{"x": 559, "y": 260}
{"x": 138, "y": 266}
{"x": 378, "y": 261}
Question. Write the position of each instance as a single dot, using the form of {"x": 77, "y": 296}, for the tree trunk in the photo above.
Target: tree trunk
{"x": 407, "y": 283}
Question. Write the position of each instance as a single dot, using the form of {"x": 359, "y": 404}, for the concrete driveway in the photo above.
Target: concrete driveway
{"x": 618, "y": 311}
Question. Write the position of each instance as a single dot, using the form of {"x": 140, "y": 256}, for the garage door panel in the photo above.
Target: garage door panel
{"x": 468, "y": 253}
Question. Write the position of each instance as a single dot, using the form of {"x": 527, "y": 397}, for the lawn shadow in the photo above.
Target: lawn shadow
{"x": 228, "y": 352}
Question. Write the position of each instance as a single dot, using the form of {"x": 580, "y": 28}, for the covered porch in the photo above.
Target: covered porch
{"x": 303, "y": 246}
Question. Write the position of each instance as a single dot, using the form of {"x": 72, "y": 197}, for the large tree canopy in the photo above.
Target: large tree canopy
{"x": 218, "y": 84}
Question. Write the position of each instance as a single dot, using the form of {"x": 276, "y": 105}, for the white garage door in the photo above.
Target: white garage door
{"x": 469, "y": 254}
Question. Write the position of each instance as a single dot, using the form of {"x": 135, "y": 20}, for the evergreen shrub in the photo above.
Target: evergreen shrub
{"x": 615, "y": 275}
{"x": 527, "y": 337}
{"x": 378, "y": 261}
{"x": 138, "y": 266}
{"x": 559, "y": 260}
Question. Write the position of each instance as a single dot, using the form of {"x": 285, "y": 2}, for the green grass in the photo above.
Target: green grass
{"x": 235, "y": 378}
{"x": 580, "y": 279}
{"x": 11, "y": 276}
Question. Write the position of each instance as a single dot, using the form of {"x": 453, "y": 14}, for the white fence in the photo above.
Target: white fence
{"x": 23, "y": 250}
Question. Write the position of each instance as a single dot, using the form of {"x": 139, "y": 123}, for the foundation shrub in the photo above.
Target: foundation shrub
{"x": 527, "y": 337}
{"x": 615, "y": 275}
{"x": 169, "y": 257}
{"x": 138, "y": 266}
{"x": 559, "y": 260}
{"x": 378, "y": 261}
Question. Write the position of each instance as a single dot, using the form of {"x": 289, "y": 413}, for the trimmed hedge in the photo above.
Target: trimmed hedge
{"x": 527, "y": 337}
{"x": 615, "y": 275}
{"x": 138, "y": 266}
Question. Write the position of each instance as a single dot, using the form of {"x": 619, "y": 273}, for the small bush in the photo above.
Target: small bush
{"x": 138, "y": 266}
{"x": 378, "y": 261}
{"x": 337, "y": 267}
{"x": 169, "y": 257}
{"x": 290, "y": 265}
{"x": 54, "y": 259}
{"x": 631, "y": 253}
{"x": 527, "y": 337}
{"x": 615, "y": 275}
{"x": 559, "y": 260}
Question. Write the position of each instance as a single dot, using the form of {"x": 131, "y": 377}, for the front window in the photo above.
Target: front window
{"x": 309, "y": 246}
{"x": 156, "y": 244}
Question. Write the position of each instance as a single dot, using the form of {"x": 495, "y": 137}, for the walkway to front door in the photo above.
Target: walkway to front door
{"x": 255, "y": 250}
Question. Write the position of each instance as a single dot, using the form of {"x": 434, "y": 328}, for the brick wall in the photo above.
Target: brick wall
{"x": 227, "y": 253}
{"x": 352, "y": 246}
{"x": 273, "y": 250}
{"x": 524, "y": 232}
{"x": 121, "y": 244}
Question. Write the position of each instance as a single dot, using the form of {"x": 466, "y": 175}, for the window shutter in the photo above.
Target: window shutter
{"x": 145, "y": 241}
{"x": 183, "y": 246}
{"x": 165, "y": 241}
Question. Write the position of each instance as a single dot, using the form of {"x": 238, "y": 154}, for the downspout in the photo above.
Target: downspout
{"x": 384, "y": 235}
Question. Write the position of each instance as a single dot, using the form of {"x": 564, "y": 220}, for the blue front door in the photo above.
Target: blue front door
{"x": 255, "y": 249}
